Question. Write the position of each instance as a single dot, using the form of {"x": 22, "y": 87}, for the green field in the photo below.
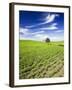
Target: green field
{"x": 40, "y": 59}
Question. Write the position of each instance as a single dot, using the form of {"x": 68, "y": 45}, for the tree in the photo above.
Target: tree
{"x": 47, "y": 40}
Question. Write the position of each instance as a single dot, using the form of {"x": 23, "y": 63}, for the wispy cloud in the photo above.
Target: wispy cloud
{"x": 48, "y": 19}
{"x": 37, "y": 32}
{"x": 59, "y": 31}
{"x": 23, "y": 31}
{"x": 51, "y": 27}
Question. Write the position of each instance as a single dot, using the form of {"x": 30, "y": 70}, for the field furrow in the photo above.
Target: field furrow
{"x": 41, "y": 60}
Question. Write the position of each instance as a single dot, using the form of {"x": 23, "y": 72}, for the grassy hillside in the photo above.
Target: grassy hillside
{"x": 40, "y": 59}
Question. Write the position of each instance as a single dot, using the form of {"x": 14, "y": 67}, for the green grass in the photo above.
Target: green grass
{"x": 40, "y": 59}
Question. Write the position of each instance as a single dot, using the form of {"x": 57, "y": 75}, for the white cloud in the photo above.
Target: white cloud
{"x": 38, "y": 32}
{"x": 24, "y": 31}
{"x": 51, "y": 27}
{"x": 59, "y": 31}
{"x": 54, "y": 24}
{"x": 48, "y": 19}
{"x": 41, "y": 36}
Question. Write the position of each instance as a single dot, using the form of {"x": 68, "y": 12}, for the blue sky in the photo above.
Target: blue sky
{"x": 38, "y": 26}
